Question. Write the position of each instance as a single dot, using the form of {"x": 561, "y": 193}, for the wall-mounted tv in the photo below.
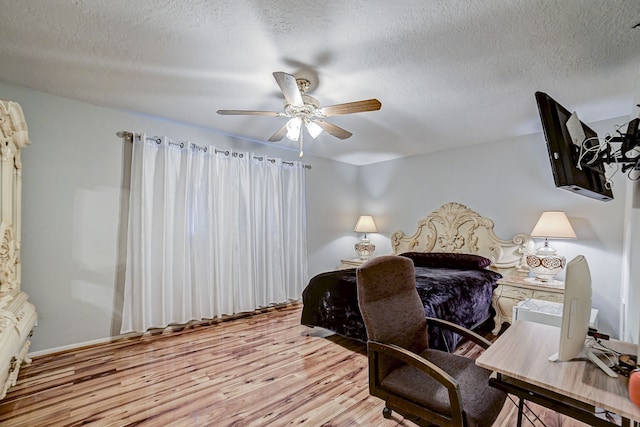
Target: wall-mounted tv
{"x": 564, "y": 154}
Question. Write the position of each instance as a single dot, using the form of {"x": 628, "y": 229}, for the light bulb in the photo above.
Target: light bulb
{"x": 293, "y": 128}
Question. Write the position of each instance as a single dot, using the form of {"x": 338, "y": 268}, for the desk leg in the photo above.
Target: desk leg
{"x": 520, "y": 409}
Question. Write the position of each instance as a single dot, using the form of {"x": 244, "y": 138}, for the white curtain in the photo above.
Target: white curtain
{"x": 210, "y": 234}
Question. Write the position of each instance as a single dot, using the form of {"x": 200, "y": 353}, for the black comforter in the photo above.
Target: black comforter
{"x": 460, "y": 296}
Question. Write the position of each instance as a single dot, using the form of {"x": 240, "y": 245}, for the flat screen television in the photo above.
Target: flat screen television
{"x": 564, "y": 154}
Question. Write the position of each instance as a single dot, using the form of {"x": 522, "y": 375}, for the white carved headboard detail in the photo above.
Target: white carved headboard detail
{"x": 17, "y": 314}
{"x": 453, "y": 227}
{"x": 8, "y": 258}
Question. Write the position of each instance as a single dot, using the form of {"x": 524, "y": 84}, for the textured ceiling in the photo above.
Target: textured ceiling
{"x": 449, "y": 73}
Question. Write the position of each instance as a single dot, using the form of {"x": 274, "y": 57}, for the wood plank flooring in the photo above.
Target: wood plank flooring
{"x": 259, "y": 370}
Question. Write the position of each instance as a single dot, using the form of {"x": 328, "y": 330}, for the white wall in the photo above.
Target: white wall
{"x": 332, "y": 211}
{"x": 75, "y": 200}
{"x": 631, "y": 295}
{"x": 510, "y": 182}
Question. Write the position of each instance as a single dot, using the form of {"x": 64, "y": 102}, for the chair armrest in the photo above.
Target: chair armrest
{"x": 469, "y": 334}
{"x": 419, "y": 362}
{"x": 414, "y": 360}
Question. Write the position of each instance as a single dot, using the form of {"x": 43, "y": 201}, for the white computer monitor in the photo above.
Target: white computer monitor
{"x": 576, "y": 313}
{"x": 576, "y": 309}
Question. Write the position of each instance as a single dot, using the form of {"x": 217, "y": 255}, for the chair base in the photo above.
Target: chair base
{"x": 386, "y": 412}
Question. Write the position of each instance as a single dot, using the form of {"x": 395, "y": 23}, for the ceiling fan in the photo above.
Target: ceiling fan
{"x": 303, "y": 109}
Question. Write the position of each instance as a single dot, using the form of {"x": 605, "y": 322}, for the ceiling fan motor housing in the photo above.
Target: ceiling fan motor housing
{"x": 303, "y": 85}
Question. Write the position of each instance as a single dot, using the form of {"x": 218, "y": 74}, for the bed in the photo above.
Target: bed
{"x": 458, "y": 260}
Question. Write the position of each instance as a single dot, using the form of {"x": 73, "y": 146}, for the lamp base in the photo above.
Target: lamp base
{"x": 365, "y": 249}
{"x": 545, "y": 267}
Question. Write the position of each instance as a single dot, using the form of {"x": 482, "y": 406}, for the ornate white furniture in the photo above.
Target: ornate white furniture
{"x": 350, "y": 263}
{"x": 17, "y": 314}
{"x": 455, "y": 228}
{"x": 513, "y": 289}
{"x": 546, "y": 312}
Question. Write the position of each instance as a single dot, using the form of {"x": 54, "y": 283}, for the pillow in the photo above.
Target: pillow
{"x": 448, "y": 260}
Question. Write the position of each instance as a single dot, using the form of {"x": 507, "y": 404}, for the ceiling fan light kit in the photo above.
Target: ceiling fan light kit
{"x": 293, "y": 128}
{"x": 301, "y": 109}
{"x": 314, "y": 129}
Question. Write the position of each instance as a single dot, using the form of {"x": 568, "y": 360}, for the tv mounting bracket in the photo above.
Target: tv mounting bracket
{"x": 629, "y": 143}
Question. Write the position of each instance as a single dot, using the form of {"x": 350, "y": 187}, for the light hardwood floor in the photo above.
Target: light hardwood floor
{"x": 259, "y": 370}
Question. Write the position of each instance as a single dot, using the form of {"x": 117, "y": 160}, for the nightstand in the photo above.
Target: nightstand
{"x": 546, "y": 312}
{"x": 350, "y": 263}
{"x": 513, "y": 289}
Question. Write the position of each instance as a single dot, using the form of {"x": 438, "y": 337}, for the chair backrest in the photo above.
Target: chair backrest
{"x": 391, "y": 308}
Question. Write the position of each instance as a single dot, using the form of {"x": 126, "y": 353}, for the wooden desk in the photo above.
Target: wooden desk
{"x": 520, "y": 359}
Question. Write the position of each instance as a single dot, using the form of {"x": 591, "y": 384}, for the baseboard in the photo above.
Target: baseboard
{"x": 106, "y": 340}
{"x": 83, "y": 344}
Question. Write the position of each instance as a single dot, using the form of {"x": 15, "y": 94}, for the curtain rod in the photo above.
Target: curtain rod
{"x": 129, "y": 136}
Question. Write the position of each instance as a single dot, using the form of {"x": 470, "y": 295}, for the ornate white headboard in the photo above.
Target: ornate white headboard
{"x": 454, "y": 227}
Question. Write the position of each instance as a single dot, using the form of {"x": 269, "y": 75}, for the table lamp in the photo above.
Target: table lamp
{"x": 364, "y": 248}
{"x": 544, "y": 263}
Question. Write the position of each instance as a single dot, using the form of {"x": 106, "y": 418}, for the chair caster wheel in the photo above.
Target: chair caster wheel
{"x": 386, "y": 412}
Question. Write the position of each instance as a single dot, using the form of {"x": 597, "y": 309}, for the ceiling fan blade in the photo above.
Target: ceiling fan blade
{"x": 280, "y": 133}
{"x": 249, "y": 113}
{"x": 332, "y": 129}
{"x": 289, "y": 88}
{"x": 351, "y": 107}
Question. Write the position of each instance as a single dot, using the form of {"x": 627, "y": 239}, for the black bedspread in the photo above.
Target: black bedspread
{"x": 459, "y": 296}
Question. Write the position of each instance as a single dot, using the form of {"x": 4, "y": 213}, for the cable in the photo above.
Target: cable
{"x": 611, "y": 355}
{"x": 583, "y": 152}
{"x": 604, "y": 347}
{"x": 636, "y": 167}
{"x": 597, "y": 148}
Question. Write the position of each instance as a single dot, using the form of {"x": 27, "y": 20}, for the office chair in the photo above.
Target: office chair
{"x": 429, "y": 387}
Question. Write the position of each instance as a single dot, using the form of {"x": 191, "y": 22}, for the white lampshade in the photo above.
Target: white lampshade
{"x": 553, "y": 225}
{"x": 314, "y": 129}
{"x": 365, "y": 224}
{"x": 293, "y": 128}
